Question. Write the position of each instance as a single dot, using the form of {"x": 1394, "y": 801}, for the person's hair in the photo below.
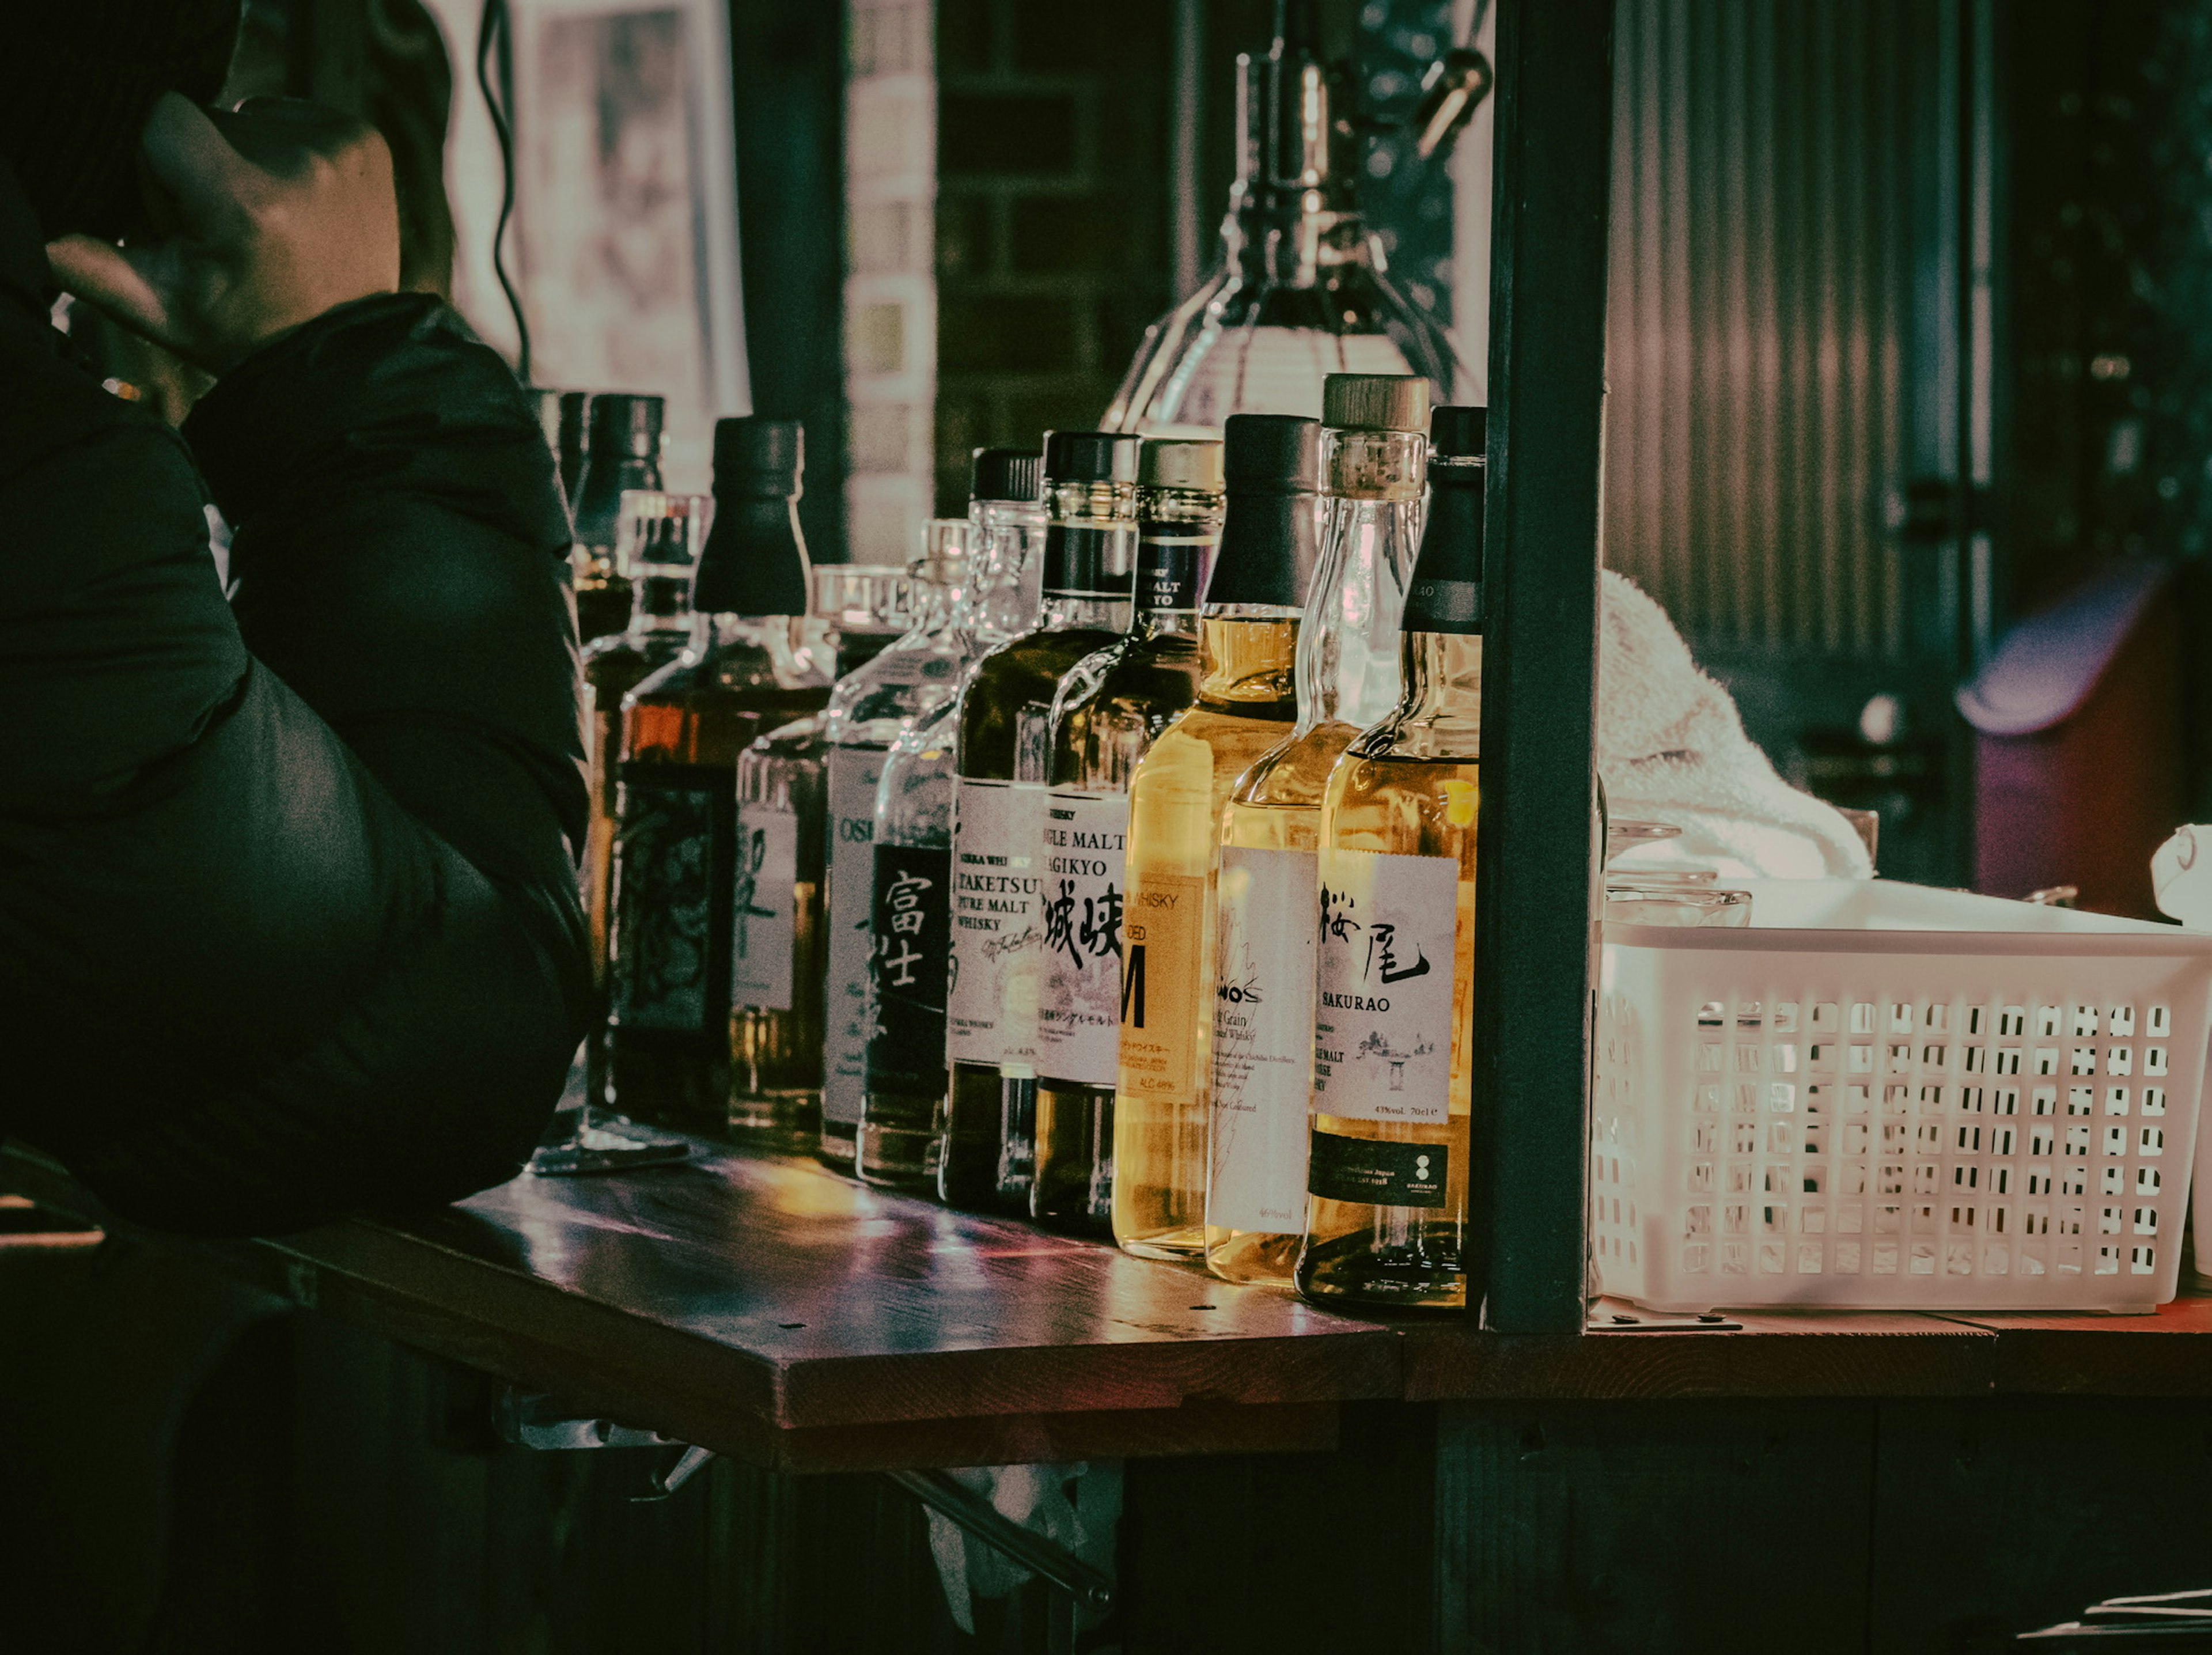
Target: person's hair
{"x": 76, "y": 82}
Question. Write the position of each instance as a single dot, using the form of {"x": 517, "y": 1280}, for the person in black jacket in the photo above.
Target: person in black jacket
{"x": 288, "y": 926}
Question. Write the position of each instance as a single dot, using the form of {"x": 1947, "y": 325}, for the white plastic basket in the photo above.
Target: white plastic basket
{"x": 1885, "y": 1097}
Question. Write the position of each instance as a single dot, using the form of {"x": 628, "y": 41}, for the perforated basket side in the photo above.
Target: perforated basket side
{"x": 1962, "y": 1122}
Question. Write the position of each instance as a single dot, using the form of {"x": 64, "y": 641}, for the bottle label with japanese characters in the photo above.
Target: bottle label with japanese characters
{"x": 911, "y": 926}
{"x": 1163, "y": 938}
{"x": 852, "y": 774}
{"x": 764, "y": 909}
{"x": 996, "y": 850}
{"x": 671, "y": 898}
{"x": 1263, "y": 1025}
{"x": 1383, "y": 1010}
{"x": 1079, "y": 1012}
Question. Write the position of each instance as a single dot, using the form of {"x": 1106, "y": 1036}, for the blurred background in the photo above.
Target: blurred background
{"x": 1910, "y": 330}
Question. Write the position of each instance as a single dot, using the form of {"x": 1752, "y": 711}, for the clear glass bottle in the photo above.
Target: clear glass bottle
{"x": 1301, "y": 291}
{"x": 790, "y": 1028}
{"x": 1387, "y": 1210}
{"x": 1374, "y": 452}
{"x": 623, "y": 453}
{"x": 1247, "y": 702}
{"x": 1110, "y": 710}
{"x": 1002, "y": 754}
{"x": 685, "y": 892}
{"x": 909, "y": 1075}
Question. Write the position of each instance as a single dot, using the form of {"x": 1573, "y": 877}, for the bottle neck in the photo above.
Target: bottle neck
{"x": 1349, "y": 653}
{"x": 1089, "y": 556}
{"x": 1249, "y": 653}
{"x": 660, "y": 600}
{"x": 1440, "y": 709}
{"x": 1006, "y": 568}
{"x": 1178, "y": 539}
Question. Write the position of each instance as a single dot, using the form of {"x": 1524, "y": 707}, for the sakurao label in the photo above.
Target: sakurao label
{"x": 1079, "y": 1012}
{"x": 854, "y": 773}
{"x": 1382, "y": 1011}
{"x": 995, "y": 880}
{"x": 1263, "y": 1026}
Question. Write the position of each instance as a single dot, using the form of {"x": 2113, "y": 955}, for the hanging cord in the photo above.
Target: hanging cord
{"x": 492, "y": 37}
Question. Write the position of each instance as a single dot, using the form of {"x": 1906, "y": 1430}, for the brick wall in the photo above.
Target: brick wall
{"x": 1052, "y": 216}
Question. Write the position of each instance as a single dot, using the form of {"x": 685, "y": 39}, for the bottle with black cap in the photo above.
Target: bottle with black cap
{"x": 1374, "y": 450}
{"x": 904, "y": 1069}
{"x": 836, "y": 757}
{"x": 623, "y": 453}
{"x": 1001, "y": 757}
{"x": 1108, "y": 712}
{"x": 1247, "y": 702}
{"x": 1005, "y": 539}
{"x": 1387, "y": 1211}
{"x": 693, "y": 907}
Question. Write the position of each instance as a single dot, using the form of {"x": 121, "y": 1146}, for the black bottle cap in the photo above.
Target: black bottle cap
{"x": 1090, "y": 457}
{"x": 1460, "y": 433}
{"x": 758, "y": 459}
{"x": 1270, "y": 535}
{"x": 755, "y": 562}
{"x": 625, "y": 422}
{"x": 1446, "y": 593}
{"x": 1007, "y": 474}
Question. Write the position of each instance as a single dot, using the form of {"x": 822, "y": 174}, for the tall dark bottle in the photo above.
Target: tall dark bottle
{"x": 623, "y": 452}
{"x": 1002, "y": 759}
{"x": 682, "y": 880}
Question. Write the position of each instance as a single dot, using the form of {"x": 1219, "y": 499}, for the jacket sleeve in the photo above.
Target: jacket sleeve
{"x": 286, "y": 887}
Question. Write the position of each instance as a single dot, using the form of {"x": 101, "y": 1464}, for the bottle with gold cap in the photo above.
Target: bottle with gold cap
{"x": 1247, "y": 702}
{"x": 1109, "y": 711}
{"x": 1374, "y": 449}
{"x": 1387, "y": 1210}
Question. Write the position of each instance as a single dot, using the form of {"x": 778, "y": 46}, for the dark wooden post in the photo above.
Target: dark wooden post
{"x": 1532, "y": 949}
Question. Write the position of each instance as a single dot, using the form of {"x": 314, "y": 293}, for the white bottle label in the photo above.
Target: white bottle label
{"x": 1263, "y": 1026}
{"x": 1383, "y": 1011}
{"x": 765, "y": 939}
{"x": 1080, "y": 1017}
{"x": 854, "y": 773}
{"x": 996, "y": 840}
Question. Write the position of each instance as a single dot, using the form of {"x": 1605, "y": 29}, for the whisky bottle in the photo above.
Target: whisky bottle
{"x": 1110, "y": 710}
{"x": 1387, "y": 1211}
{"x": 1247, "y": 702}
{"x": 1373, "y": 447}
{"x": 686, "y": 894}
{"x": 869, "y": 709}
{"x": 901, "y": 1120}
{"x": 784, "y": 1026}
{"x": 904, "y": 1112}
{"x": 659, "y": 538}
{"x": 1001, "y": 760}
{"x": 623, "y": 452}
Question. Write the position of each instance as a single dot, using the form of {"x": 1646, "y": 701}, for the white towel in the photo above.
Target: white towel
{"x": 1671, "y": 747}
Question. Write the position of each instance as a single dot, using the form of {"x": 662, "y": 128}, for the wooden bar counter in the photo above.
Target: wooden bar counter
{"x": 771, "y": 1311}
{"x": 1481, "y": 1491}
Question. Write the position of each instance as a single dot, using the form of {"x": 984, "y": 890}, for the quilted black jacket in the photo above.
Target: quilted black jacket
{"x": 287, "y": 918}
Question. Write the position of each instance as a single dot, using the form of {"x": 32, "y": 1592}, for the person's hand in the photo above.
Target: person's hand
{"x": 260, "y": 221}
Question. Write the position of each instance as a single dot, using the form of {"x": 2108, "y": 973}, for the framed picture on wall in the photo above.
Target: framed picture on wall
{"x": 624, "y": 240}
